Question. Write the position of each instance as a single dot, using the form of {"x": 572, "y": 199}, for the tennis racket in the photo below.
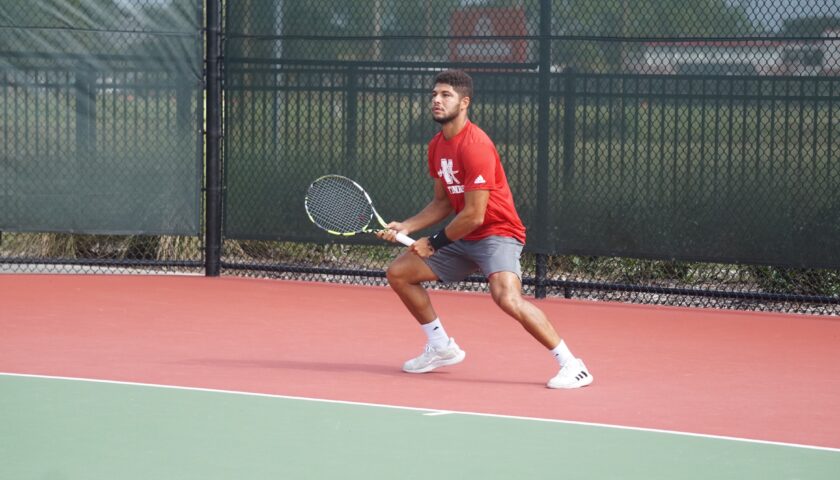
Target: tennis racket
{"x": 340, "y": 206}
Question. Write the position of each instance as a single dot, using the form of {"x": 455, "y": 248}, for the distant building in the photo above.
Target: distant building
{"x": 742, "y": 57}
{"x": 831, "y": 52}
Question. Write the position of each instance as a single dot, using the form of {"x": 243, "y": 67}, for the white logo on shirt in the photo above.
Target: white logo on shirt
{"x": 446, "y": 171}
{"x": 480, "y": 180}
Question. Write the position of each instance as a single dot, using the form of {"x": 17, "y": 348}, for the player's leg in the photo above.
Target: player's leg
{"x": 506, "y": 289}
{"x": 498, "y": 258}
{"x": 405, "y": 276}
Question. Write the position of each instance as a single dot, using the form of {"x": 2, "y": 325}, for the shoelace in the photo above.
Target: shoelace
{"x": 568, "y": 371}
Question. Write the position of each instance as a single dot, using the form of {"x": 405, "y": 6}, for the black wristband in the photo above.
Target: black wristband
{"x": 439, "y": 240}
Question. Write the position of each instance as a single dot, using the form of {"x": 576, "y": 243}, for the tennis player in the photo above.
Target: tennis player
{"x": 485, "y": 235}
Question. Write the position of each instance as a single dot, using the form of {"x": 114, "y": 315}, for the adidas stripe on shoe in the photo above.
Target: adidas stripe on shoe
{"x": 573, "y": 375}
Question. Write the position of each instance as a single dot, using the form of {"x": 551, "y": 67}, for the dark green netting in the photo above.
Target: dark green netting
{"x": 100, "y": 107}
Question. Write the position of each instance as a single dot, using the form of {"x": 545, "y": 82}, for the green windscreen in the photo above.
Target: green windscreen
{"x": 100, "y": 111}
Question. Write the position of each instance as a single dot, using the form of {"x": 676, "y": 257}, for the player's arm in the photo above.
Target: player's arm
{"x": 467, "y": 220}
{"x": 434, "y": 212}
{"x": 471, "y": 217}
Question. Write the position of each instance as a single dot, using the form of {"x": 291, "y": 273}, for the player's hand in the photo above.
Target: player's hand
{"x": 422, "y": 248}
{"x": 390, "y": 233}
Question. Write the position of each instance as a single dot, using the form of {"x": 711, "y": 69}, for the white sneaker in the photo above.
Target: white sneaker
{"x": 432, "y": 358}
{"x": 573, "y": 375}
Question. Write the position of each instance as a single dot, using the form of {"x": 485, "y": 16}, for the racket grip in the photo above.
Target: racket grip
{"x": 405, "y": 239}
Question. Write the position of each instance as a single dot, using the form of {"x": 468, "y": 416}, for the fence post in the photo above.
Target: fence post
{"x": 213, "y": 131}
{"x": 85, "y": 160}
{"x": 569, "y": 107}
{"x": 183, "y": 105}
{"x": 85, "y": 114}
{"x": 544, "y": 104}
{"x": 352, "y": 119}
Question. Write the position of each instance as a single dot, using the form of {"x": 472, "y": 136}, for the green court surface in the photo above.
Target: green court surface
{"x": 55, "y": 429}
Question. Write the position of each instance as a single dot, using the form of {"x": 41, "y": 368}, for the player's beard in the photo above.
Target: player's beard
{"x": 446, "y": 119}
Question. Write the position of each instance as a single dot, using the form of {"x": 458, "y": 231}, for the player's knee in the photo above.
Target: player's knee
{"x": 393, "y": 274}
{"x": 510, "y": 302}
{"x": 397, "y": 274}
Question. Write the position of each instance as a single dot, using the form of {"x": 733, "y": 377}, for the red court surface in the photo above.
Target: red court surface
{"x": 770, "y": 377}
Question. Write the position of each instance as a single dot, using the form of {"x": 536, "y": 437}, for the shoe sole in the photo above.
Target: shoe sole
{"x": 440, "y": 363}
{"x": 581, "y": 383}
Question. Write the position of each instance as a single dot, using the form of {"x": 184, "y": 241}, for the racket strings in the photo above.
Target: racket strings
{"x": 339, "y": 205}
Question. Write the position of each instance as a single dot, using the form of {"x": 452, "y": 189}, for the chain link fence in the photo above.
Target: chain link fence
{"x": 659, "y": 152}
{"x": 100, "y": 145}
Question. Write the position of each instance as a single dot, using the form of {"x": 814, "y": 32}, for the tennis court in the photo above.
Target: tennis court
{"x": 660, "y": 157}
{"x": 193, "y": 377}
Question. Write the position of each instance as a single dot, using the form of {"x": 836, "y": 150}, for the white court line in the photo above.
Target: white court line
{"x": 427, "y": 411}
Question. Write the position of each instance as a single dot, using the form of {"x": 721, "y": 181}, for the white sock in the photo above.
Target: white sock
{"x": 437, "y": 335}
{"x": 562, "y": 353}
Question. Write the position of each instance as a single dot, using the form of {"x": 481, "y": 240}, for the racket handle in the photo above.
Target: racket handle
{"x": 405, "y": 239}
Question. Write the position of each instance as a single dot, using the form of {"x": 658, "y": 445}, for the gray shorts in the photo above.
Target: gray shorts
{"x": 459, "y": 259}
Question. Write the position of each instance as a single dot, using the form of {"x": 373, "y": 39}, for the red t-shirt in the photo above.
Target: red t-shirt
{"x": 469, "y": 161}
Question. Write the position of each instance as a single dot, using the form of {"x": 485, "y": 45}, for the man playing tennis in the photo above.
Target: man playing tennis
{"x": 485, "y": 234}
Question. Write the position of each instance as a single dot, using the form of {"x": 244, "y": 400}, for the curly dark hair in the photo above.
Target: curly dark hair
{"x": 460, "y": 81}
